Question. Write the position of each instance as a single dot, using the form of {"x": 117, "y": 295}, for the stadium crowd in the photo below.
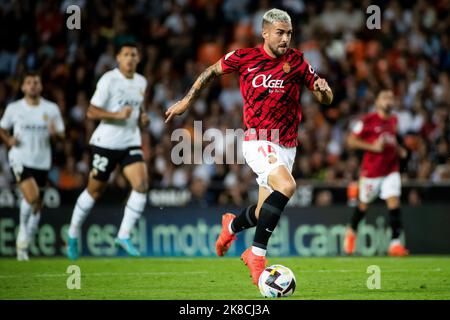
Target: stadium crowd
{"x": 179, "y": 38}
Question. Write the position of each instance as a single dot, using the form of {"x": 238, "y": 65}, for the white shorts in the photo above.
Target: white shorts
{"x": 384, "y": 187}
{"x": 264, "y": 156}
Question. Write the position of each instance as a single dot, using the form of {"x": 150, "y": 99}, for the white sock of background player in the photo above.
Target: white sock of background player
{"x": 25, "y": 211}
{"x": 32, "y": 225}
{"x": 84, "y": 205}
{"x": 133, "y": 210}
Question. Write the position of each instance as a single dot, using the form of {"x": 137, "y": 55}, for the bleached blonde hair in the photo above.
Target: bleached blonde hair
{"x": 274, "y": 15}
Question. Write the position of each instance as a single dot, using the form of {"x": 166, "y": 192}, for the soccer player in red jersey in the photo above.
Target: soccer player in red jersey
{"x": 376, "y": 134}
{"x": 271, "y": 77}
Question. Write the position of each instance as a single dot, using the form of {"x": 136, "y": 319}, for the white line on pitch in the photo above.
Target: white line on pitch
{"x": 51, "y": 275}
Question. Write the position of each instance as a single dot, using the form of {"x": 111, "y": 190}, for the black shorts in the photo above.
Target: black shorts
{"x": 104, "y": 161}
{"x": 22, "y": 173}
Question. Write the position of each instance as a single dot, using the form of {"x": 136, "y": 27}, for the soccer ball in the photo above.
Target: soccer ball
{"x": 276, "y": 281}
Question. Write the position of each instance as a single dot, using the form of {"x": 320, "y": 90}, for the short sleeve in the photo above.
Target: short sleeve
{"x": 58, "y": 121}
{"x": 307, "y": 74}
{"x": 101, "y": 94}
{"x": 358, "y": 128}
{"x": 145, "y": 84}
{"x": 7, "y": 120}
{"x": 231, "y": 61}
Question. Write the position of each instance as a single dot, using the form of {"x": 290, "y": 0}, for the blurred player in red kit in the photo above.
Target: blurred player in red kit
{"x": 376, "y": 134}
{"x": 271, "y": 78}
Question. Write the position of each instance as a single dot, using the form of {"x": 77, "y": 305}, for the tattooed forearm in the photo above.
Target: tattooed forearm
{"x": 203, "y": 80}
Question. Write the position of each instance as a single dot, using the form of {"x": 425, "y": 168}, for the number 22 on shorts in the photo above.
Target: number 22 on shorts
{"x": 100, "y": 162}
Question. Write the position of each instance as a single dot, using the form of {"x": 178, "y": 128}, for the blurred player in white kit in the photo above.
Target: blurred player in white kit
{"x": 34, "y": 121}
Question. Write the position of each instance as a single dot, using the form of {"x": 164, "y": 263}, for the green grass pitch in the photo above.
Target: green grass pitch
{"x": 416, "y": 277}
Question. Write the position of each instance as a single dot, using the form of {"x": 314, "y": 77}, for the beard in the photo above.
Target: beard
{"x": 278, "y": 51}
{"x": 388, "y": 108}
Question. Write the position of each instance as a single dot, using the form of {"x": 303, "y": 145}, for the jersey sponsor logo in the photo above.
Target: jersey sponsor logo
{"x": 267, "y": 82}
{"x": 34, "y": 127}
{"x": 129, "y": 102}
{"x": 129, "y": 99}
{"x": 252, "y": 69}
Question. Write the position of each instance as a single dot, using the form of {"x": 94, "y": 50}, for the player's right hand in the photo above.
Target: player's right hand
{"x": 378, "y": 146}
{"x": 52, "y": 128}
{"x": 125, "y": 113}
{"x": 176, "y": 109}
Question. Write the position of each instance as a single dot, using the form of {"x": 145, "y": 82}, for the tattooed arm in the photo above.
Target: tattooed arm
{"x": 202, "y": 81}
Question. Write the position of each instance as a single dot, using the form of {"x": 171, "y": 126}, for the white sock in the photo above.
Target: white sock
{"x": 25, "y": 211}
{"x": 229, "y": 228}
{"x": 33, "y": 223}
{"x": 84, "y": 204}
{"x": 258, "y": 251}
{"x": 395, "y": 242}
{"x": 133, "y": 210}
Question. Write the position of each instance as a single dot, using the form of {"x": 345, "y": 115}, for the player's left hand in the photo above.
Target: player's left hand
{"x": 321, "y": 85}
{"x": 144, "y": 119}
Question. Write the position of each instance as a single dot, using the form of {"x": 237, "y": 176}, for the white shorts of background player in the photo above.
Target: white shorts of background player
{"x": 385, "y": 187}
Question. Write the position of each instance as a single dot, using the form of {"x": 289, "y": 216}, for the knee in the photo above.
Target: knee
{"x": 393, "y": 203}
{"x": 287, "y": 188}
{"x": 141, "y": 186}
{"x": 95, "y": 193}
{"x": 38, "y": 205}
{"x": 362, "y": 206}
{"x": 35, "y": 203}
{"x": 281, "y": 180}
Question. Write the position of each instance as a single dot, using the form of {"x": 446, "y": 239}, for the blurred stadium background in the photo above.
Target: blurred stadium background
{"x": 177, "y": 40}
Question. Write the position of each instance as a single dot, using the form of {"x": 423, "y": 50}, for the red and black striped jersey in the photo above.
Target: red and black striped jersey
{"x": 370, "y": 128}
{"x": 271, "y": 89}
